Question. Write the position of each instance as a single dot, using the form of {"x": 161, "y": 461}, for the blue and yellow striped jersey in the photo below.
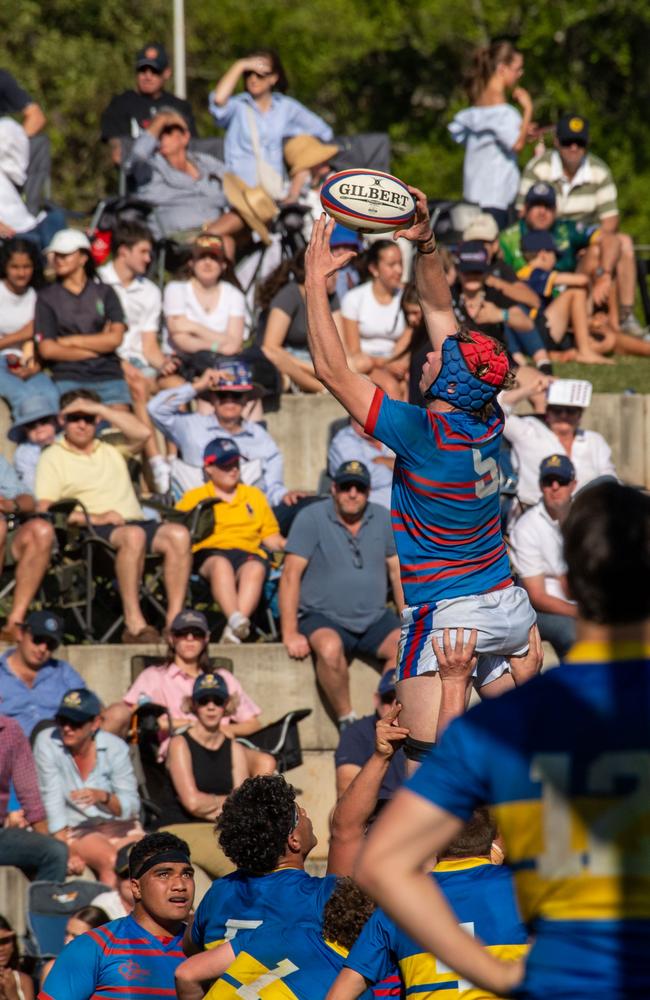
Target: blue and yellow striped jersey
{"x": 240, "y": 902}
{"x": 482, "y": 897}
{"x": 565, "y": 762}
{"x": 281, "y": 963}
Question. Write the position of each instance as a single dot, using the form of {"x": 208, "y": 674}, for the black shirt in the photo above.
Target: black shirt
{"x": 60, "y": 312}
{"x": 12, "y": 97}
{"x": 131, "y": 108}
{"x": 291, "y": 301}
{"x": 356, "y": 746}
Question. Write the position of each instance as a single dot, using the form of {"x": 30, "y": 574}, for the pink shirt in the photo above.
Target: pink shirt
{"x": 170, "y": 686}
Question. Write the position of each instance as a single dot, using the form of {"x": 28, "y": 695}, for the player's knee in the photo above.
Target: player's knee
{"x": 417, "y": 750}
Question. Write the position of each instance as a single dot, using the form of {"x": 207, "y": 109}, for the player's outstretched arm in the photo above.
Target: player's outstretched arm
{"x": 432, "y": 285}
{"x": 352, "y": 390}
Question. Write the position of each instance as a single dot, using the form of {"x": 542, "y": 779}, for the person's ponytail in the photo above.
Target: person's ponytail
{"x": 483, "y": 63}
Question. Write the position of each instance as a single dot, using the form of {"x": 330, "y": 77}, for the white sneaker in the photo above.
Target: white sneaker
{"x": 632, "y": 326}
{"x": 239, "y": 624}
{"x": 229, "y": 638}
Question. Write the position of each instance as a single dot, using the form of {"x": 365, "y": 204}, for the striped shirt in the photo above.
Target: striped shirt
{"x": 589, "y": 197}
{"x": 118, "y": 961}
{"x": 17, "y": 767}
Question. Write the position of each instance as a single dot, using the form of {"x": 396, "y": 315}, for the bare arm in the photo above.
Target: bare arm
{"x": 58, "y": 350}
{"x": 190, "y": 336}
{"x": 277, "y": 326}
{"x": 430, "y": 279}
{"x": 572, "y": 280}
{"x": 101, "y": 343}
{"x": 33, "y": 118}
{"x": 292, "y": 570}
{"x": 518, "y": 291}
{"x": 18, "y": 336}
{"x": 392, "y": 564}
{"x": 136, "y": 433}
{"x": 204, "y": 967}
{"x": 610, "y": 224}
{"x": 226, "y": 85}
{"x": 541, "y": 601}
{"x": 353, "y": 391}
{"x": 522, "y": 97}
{"x": 151, "y": 349}
{"x": 348, "y": 985}
{"x": 456, "y": 665}
{"x": 179, "y": 764}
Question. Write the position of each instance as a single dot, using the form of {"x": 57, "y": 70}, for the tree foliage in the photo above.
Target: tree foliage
{"x": 365, "y": 65}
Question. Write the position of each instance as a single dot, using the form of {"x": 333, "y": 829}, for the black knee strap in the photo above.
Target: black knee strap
{"x": 417, "y": 750}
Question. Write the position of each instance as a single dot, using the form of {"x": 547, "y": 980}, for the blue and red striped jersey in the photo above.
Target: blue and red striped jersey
{"x": 445, "y": 499}
{"x": 118, "y": 961}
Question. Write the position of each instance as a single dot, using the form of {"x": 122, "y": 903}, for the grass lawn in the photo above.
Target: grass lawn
{"x": 627, "y": 373}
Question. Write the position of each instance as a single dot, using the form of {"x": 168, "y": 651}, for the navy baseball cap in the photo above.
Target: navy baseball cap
{"x": 558, "y": 466}
{"x": 572, "y": 128}
{"x": 352, "y": 472}
{"x": 222, "y": 452}
{"x": 153, "y": 55}
{"x": 536, "y": 240}
{"x": 190, "y": 619}
{"x": 212, "y": 684}
{"x": 541, "y": 194}
{"x": 386, "y": 684}
{"x": 44, "y": 625}
{"x": 79, "y": 705}
{"x": 473, "y": 257}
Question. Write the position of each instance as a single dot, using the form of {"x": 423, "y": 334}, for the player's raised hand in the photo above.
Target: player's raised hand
{"x": 389, "y": 735}
{"x": 456, "y": 663}
{"x": 526, "y": 666}
{"x": 420, "y": 230}
{"x": 320, "y": 262}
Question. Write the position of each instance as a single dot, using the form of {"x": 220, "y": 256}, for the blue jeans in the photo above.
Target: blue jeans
{"x": 43, "y": 233}
{"x": 109, "y": 390}
{"x": 39, "y": 857}
{"x": 559, "y": 630}
{"x": 13, "y": 389}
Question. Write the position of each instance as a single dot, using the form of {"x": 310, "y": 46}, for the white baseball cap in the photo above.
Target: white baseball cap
{"x": 67, "y": 241}
{"x": 482, "y": 227}
{"x": 569, "y": 392}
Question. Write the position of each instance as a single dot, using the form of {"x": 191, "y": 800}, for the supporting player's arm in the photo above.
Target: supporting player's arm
{"x": 455, "y": 665}
{"x": 205, "y": 967}
{"x": 352, "y": 390}
{"x": 430, "y": 279}
{"x": 348, "y": 985}
{"x": 391, "y": 868}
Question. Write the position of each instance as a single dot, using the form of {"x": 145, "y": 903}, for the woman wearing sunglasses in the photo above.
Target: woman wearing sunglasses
{"x": 14, "y": 984}
{"x": 258, "y": 121}
{"x": 204, "y": 766}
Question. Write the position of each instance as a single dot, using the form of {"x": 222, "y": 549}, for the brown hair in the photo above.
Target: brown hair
{"x": 483, "y": 64}
{"x": 475, "y": 839}
{"x": 345, "y": 913}
{"x": 276, "y": 66}
{"x": 289, "y": 270}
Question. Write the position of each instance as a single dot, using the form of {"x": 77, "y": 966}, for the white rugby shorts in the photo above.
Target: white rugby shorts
{"x": 502, "y": 619}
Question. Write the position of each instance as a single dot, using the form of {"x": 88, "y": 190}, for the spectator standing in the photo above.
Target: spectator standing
{"x": 259, "y": 120}
{"x": 357, "y": 744}
{"x": 340, "y": 555}
{"x": 80, "y": 466}
{"x": 15, "y": 985}
{"x": 25, "y": 844}
{"x": 87, "y": 783}
{"x": 35, "y": 428}
{"x": 142, "y": 358}
{"x": 586, "y": 193}
{"x": 14, "y": 165}
{"x": 233, "y": 559}
{"x": 79, "y": 324}
{"x": 351, "y": 443}
{"x": 103, "y": 960}
{"x": 537, "y": 552}
{"x": 493, "y": 131}
{"x": 26, "y": 545}
{"x": 373, "y": 323}
{"x": 20, "y": 375}
{"x": 128, "y": 114}
{"x": 32, "y": 680}
{"x": 15, "y": 100}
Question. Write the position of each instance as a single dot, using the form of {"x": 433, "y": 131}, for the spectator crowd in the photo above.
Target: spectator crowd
{"x": 139, "y": 362}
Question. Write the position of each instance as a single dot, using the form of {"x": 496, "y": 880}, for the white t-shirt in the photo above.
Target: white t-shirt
{"x": 15, "y": 312}
{"x": 179, "y": 300}
{"x": 537, "y": 549}
{"x": 379, "y": 325}
{"x": 141, "y": 302}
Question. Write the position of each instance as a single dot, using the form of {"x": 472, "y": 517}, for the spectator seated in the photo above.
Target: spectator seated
{"x": 351, "y": 442}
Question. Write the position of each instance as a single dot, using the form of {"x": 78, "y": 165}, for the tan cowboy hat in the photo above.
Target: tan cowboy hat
{"x": 253, "y": 204}
{"x": 303, "y": 152}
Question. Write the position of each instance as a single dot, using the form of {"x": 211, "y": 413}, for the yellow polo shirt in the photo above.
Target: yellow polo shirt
{"x": 99, "y": 479}
{"x": 240, "y": 523}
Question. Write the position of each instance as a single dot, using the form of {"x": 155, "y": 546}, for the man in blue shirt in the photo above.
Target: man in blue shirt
{"x": 445, "y": 499}
{"x": 32, "y": 680}
{"x": 136, "y": 956}
{"x": 565, "y": 763}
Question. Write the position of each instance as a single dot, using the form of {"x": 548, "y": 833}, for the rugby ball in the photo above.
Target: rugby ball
{"x": 368, "y": 200}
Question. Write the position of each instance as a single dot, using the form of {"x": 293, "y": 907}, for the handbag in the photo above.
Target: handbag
{"x": 267, "y": 176}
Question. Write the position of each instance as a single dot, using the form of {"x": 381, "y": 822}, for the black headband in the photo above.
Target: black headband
{"x": 174, "y": 854}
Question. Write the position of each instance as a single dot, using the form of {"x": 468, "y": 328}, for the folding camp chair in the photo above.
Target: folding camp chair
{"x": 49, "y": 905}
{"x": 281, "y": 739}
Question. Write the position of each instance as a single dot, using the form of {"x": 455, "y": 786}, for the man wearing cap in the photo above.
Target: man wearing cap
{"x": 132, "y": 111}
{"x": 87, "y": 783}
{"x": 445, "y": 482}
{"x": 340, "y": 556}
{"x": 80, "y": 466}
{"x": 357, "y": 744}
{"x": 234, "y": 558}
{"x": 228, "y": 388}
{"x": 352, "y": 442}
{"x": 137, "y": 955}
{"x": 32, "y": 680}
{"x": 537, "y": 551}
{"x": 586, "y": 193}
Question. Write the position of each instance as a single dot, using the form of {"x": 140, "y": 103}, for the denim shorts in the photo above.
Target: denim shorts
{"x": 110, "y": 390}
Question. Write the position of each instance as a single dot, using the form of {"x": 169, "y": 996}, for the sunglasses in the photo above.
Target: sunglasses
{"x": 346, "y": 487}
{"x": 168, "y": 129}
{"x": 228, "y": 396}
{"x": 45, "y": 640}
{"x": 565, "y": 143}
{"x": 80, "y": 418}
{"x": 357, "y": 558}
{"x": 260, "y": 76}
{"x": 189, "y": 633}
{"x": 149, "y": 69}
{"x": 551, "y": 480}
{"x": 211, "y": 699}
{"x": 388, "y": 698}
{"x": 39, "y": 422}
{"x": 7, "y": 938}
{"x": 63, "y": 720}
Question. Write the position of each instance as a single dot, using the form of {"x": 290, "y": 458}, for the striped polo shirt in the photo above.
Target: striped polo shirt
{"x": 589, "y": 197}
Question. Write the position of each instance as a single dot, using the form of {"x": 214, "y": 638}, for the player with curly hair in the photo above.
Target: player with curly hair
{"x": 295, "y": 961}
{"x": 264, "y": 831}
